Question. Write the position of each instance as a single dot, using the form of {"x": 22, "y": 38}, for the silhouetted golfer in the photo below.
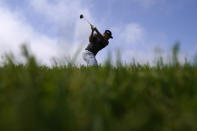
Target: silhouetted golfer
{"x": 97, "y": 42}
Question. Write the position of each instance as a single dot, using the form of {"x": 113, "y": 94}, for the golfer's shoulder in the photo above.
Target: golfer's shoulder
{"x": 106, "y": 42}
{"x": 100, "y": 39}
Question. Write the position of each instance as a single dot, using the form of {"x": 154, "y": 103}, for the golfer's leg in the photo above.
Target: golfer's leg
{"x": 89, "y": 58}
{"x": 92, "y": 61}
{"x": 85, "y": 57}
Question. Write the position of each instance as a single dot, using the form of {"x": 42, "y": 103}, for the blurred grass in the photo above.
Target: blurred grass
{"x": 104, "y": 98}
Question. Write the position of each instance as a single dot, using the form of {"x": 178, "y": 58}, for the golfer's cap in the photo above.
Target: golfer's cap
{"x": 109, "y": 33}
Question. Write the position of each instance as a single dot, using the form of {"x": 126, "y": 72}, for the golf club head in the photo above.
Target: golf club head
{"x": 81, "y": 16}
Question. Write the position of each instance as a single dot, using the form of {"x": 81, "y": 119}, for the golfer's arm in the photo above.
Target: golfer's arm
{"x": 91, "y": 36}
{"x": 99, "y": 34}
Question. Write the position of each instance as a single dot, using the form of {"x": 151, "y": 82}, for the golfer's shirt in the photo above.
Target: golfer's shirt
{"x": 97, "y": 44}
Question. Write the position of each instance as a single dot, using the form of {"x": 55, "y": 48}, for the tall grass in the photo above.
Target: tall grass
{"x": 104, "y": 98}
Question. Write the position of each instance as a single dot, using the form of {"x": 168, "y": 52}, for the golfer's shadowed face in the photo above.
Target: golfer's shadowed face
{"x": 106, "y": 36}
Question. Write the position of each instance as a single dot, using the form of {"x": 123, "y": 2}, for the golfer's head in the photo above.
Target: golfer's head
{"x": 107, "y": 35}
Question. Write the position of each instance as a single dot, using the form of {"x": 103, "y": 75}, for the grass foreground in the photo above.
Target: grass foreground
{"x": 103, "y": 98}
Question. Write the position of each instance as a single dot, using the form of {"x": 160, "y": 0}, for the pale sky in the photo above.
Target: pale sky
{"x": 52, "y": 28}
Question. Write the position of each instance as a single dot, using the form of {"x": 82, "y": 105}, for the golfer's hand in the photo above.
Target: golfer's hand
{"x": 92, "y": 27}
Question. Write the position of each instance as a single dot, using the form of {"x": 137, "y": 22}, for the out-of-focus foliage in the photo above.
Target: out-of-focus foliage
{"x": 104, "y": 98}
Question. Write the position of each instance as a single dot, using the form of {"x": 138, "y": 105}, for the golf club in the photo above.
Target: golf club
{"x": 82, "y": 17}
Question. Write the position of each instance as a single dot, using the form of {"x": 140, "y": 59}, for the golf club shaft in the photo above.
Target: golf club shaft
{"x": 87, "y": 21}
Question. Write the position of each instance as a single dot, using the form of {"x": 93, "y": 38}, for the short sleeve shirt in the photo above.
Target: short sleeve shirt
{"x": 97, "y": 44}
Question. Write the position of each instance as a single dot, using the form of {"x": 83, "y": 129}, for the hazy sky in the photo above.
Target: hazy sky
{"x": 52, "y": 28}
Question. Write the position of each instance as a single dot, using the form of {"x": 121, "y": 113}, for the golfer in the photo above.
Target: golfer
{"x": 97, "y": 41}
